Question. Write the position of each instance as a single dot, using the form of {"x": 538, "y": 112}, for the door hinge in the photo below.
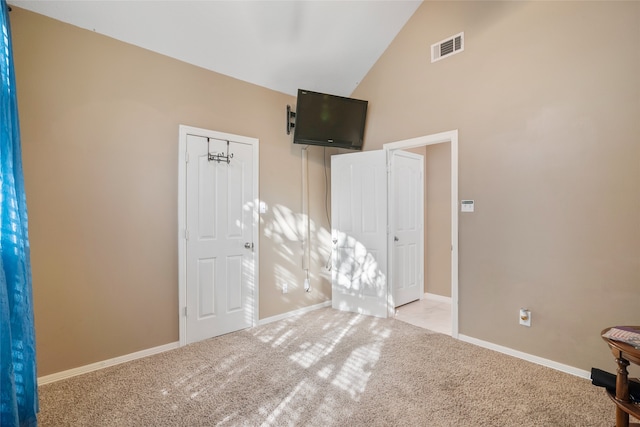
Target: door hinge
{"x": 185, "y": 311}
{"x": 186, "y": 157}
{"x": 186, "y": 234}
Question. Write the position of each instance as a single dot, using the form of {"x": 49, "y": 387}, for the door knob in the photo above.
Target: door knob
{"x": 248, "y": 245}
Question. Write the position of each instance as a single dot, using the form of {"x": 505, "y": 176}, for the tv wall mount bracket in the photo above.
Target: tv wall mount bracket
{"x": 219, "y": 157}
{"x": 291, "y": 119}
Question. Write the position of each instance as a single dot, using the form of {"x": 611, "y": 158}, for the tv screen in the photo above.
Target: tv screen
{"x": 329, "y": 120}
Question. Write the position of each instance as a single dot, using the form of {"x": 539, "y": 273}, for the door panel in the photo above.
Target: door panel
{"x": 234, "y": 283}
{"x": 206, "y": 273}
{"x": 206, "y": 201}
{"x": 359, "y": 234}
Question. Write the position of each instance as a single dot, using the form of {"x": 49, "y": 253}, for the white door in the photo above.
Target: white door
{"x": 407, "y": 224}
{"x": 219, "y": 232}
{"x": 359, "y": 232}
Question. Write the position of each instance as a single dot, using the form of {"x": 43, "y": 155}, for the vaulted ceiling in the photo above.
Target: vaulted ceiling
{"x": 325, "y": 46}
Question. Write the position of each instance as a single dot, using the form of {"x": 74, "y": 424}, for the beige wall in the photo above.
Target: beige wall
{"x": 546, "y": 98}
{"x": 99, "y": 121}
{"x": 437, "y": 173}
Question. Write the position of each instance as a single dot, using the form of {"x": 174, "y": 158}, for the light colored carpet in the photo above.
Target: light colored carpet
{"x": 327, "y": 368}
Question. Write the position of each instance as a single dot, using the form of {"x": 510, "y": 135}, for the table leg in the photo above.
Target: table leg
{"x": 622, "y": 391}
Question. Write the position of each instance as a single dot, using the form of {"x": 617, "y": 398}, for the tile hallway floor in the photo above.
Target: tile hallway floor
{"x": 428, "y": 313}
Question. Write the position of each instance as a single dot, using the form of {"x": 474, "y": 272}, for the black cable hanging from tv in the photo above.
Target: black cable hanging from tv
{"x": 219, "y": 157}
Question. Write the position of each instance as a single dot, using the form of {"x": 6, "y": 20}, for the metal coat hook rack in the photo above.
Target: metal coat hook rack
{"x": 219, "y": 157}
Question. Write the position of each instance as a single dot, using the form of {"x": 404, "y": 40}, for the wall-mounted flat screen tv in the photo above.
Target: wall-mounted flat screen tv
{"x": 329, "y": 120}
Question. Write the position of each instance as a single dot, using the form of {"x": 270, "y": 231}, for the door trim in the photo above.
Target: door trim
{"x": 184, "y": 131}
{"x": 438, "y": 138}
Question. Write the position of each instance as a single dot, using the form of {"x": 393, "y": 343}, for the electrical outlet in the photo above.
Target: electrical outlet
{"x": 525, "y": 317}
{"x": 285, "y": 288}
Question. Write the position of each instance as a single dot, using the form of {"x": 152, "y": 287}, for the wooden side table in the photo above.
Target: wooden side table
{"x": 624, "y": 354}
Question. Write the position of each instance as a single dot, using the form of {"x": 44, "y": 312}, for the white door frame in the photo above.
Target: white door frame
{"x": 182, "y": 219}
{"x": 438, "y": 138}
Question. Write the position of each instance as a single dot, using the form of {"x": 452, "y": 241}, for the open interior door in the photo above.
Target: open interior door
{"x": 359, "y": 232}
{"x": 406, "y": 220}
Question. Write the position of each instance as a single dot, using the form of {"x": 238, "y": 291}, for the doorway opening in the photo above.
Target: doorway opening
{"x": 450, "y": 137}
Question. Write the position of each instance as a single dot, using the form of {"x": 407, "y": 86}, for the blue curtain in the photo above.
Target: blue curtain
{"x": 18, "y": 379}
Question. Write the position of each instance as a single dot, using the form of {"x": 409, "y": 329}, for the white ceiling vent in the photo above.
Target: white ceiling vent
{"x": 447, "y": 47}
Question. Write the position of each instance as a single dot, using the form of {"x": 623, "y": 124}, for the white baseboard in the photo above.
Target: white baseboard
{"x": 161, "y": 349}
{"x": 439, "y": 298}
{"x": 528, "y": 357}
{"x": 297, "y": 312}
{"x": 106, "y": 363}
{"x": 155, "y": 350}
